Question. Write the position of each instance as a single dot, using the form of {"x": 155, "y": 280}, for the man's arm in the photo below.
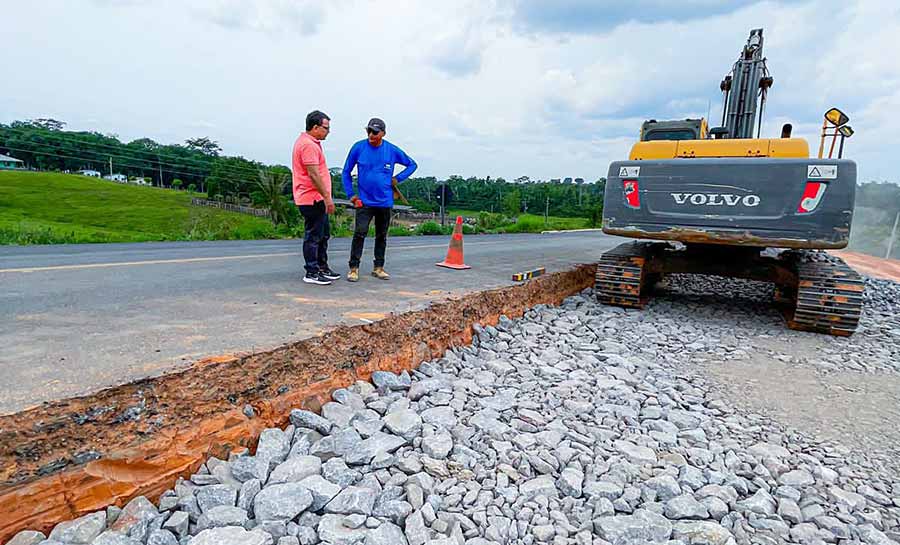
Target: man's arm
{"x": 317, "y": 181}
{"x": 400, "y": 157}
{"x": 346, "y": 176}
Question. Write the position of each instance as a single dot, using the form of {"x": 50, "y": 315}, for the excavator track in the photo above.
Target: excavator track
{"x": 621, "y": 277}
{"x": 829, "y": 298}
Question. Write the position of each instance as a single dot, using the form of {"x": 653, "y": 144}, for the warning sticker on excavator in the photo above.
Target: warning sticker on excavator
{"x": 822, "y": 172}
{"x": 629, "y": 172}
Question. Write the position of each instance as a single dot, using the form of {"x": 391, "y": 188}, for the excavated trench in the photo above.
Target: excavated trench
{"x": 70, "y": 457}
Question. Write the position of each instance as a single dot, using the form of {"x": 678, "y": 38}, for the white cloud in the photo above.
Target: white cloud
{"x": 270, "y": 16}
{"x": 457, "y": 52}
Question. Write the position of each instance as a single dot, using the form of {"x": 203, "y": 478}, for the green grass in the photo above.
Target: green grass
{"x": 529, "y": 223}
{"x": 452, "y": 213}
{"x": 524, "y": 223}
{"x": 52, "y": 208}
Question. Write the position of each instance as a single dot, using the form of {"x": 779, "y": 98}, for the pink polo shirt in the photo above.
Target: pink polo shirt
{"x": 308, "y": 151}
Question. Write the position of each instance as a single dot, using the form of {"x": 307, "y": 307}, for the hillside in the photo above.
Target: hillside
{"x": 51, "y": 208}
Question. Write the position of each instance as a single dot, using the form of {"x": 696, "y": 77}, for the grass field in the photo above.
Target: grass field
{"x": 50, "y": 208}
{"x": 527, "y": 223}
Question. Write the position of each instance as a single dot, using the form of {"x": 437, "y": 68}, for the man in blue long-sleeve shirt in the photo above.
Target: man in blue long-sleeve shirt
{"x": 374, "y": 159}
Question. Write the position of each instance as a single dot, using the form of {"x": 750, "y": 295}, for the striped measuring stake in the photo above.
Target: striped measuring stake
{"x": 528, "y": 275}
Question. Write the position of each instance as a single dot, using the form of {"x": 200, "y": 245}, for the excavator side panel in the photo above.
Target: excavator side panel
{"x": 766, "y": 202}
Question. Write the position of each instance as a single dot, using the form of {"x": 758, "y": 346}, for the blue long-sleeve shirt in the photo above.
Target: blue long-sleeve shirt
{"x": 375, "y": 168}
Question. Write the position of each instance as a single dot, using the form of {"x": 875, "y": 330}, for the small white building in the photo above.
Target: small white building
{"x": 121, "y": 178}
{"x": 88, "y": 172}
{"x": 10, "y": 163}
{"x": 139, "y": 181}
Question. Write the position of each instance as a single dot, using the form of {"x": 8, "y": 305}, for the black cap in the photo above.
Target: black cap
{"x": 376, "y": 124}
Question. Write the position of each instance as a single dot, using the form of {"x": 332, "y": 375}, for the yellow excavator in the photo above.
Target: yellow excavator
{"x": 718, "y": 197}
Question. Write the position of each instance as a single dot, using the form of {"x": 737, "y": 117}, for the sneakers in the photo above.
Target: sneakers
{"x": 329, "y": 274}
{"x": 353, "y": 275}
{"x": 317, "y": 278}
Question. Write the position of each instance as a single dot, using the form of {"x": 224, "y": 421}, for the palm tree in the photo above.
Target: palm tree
{"x": 270, "y": 191}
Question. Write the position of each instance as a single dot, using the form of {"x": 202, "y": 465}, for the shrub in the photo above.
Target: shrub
{"x": 526, "y": 224}
{"x": 491, "y": 220}
{"x": 429, "y": 228}
{"x": 399, "y": 231}
{"x": 26, "y": 235}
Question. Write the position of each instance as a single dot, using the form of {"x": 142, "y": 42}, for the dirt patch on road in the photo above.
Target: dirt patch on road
{"x": 889, "y": 269}
{"x": 859, "y": 410}
{"x": 67, "y": 458}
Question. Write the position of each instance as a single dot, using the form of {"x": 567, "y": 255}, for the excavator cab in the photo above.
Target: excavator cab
{"x": 687, "y": 129}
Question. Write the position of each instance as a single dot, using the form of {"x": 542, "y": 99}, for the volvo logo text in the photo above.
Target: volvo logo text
{"x": 715, "y": 199}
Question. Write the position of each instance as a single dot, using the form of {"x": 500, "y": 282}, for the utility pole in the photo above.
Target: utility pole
{"x": 443, "y": 201}
{"x": 547, "y": 210}
{"x": 893, "y": 236}
{"x": 160, "y": 175}
{"x": 110, "y": 167}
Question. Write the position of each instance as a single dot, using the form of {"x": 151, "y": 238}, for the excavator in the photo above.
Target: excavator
{"x": 723, "y": 201}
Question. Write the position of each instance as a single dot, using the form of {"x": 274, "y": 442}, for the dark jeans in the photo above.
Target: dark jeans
{"x": 364, "y": 216}
{"x": 316, "y": 233}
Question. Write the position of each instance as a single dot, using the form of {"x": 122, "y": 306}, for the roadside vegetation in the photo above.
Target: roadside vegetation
{"x": 52, "y": 208}
{"x": 49, "y": 208}
{"x": 55, "y": 208}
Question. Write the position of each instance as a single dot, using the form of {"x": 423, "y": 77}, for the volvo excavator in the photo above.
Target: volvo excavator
{"x": 725, "y": 202}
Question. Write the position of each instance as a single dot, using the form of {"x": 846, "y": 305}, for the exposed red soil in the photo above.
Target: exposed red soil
{"x": 888, "y": 269}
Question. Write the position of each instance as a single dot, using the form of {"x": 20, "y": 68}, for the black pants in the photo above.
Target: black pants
{"x": 364, "y": 216}
{"x": 316, "y": 233}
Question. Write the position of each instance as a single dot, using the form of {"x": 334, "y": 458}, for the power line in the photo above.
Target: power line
{"x": 149, "y": 165}
{"x": 92, "y": 160}
{"x": 67, "y": 137}
{"x": 180, "y": 160}
{"x": 152, "y": 161}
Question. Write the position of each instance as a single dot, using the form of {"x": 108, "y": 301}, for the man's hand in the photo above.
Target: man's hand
{"x": 394, "y": 182}
{"x": 357, "y": 203}
{"x": 329, "y": 205}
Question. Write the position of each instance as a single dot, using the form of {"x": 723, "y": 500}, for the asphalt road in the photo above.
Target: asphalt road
{"x": 77, "y": 318}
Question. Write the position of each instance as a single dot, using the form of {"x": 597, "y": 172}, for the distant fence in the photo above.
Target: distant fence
{"x": 402, "y": 212}
{"x": 409, "y": 215}
{"x": 258, "y": 212}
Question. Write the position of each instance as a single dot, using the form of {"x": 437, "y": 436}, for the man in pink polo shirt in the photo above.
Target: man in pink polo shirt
{"x": 312, "y": 195}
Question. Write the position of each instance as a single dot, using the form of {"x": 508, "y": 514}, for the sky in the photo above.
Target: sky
{"x": 485, "y": 87}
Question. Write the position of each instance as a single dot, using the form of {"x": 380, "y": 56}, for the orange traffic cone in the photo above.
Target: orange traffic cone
{"x": 454, "y": 259}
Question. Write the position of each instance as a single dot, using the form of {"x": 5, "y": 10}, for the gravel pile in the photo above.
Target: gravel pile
{"x": 581, "y": 425}
{"x": 721, "y": 317}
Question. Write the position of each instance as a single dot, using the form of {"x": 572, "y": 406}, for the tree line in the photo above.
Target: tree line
{"x": 565, "y": 198}
{"x": 45, "y": 144}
